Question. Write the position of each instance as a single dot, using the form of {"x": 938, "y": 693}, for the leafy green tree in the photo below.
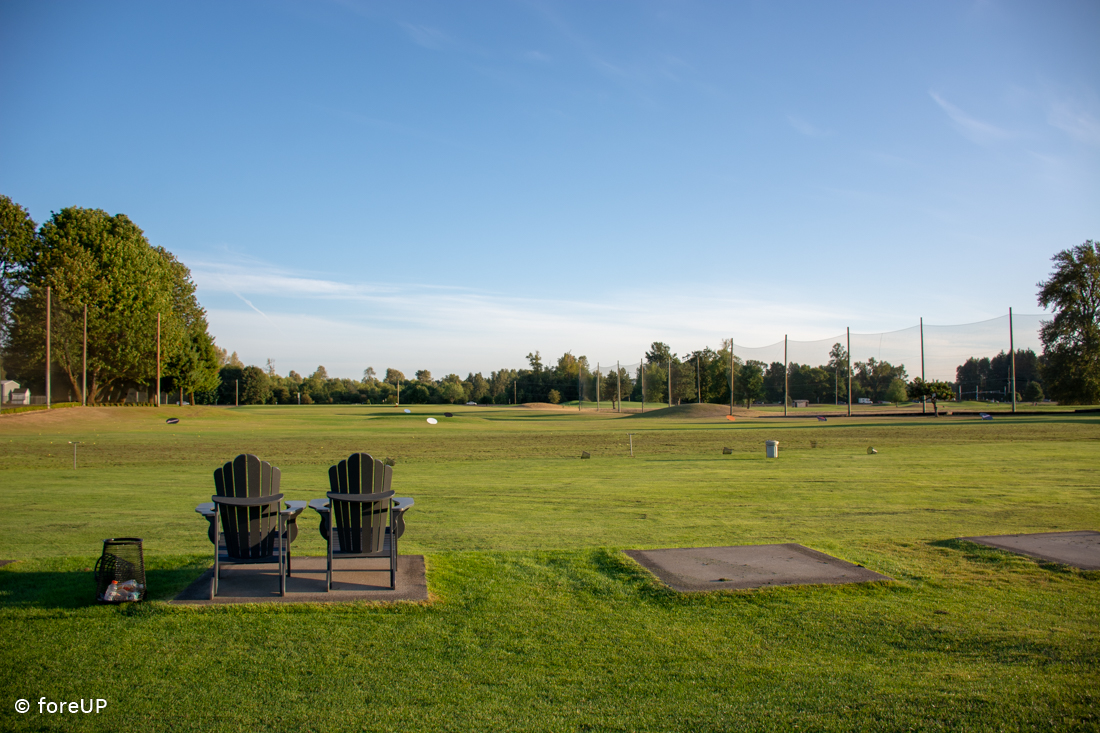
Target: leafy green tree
{"x": 394, "y": 377}
{"x": 935, "y": 391}
{"x": 89, "y": 258}
{"x": 18, "y": 235}
{"x": 255, "y": 386}
{"x": 1033, "y": 392}
{"x": 1071, "y": 340}
{"x": 553, "y": 397}
{"x": 194, "y": 366}
{"x": 874, "y": 377}
{"x": 749, "y": 384}
{"x": 896, "y": 392}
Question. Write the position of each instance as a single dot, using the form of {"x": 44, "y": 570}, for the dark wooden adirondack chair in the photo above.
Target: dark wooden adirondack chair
{"x": 252, "y": 529}
{"x": 368, "y": 517}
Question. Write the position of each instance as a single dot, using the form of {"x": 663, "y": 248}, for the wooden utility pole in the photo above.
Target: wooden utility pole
{"x": 923, "y": 400}
{"x": 515, "y": 392}
{"x": 1012, "y": 350}
{"x": 158, "y": 360}
{"x": 580, "y": 386}
{"x": 84, "y": 383}
{"x": 698, "y": 382}
{"x": 236, "y": 393}
{"x": 785, "y": 370}
{"x": 670, "y": 381}
{"x": 47, "y": 347}
{"x": 598, "y": 386}
{"x": 848, "y": 330}
{"x": 642, "y": 370}
{"x": 619, "y": 386}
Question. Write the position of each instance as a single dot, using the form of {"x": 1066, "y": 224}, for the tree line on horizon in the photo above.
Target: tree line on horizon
{"x": 85, "y": 261}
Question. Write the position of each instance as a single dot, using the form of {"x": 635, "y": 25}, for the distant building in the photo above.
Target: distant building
{"x": 7, "y": 386}
{"x": 20, "y": 397}
{"x": 865, "y": 401}
{"x": 801, "y": 403}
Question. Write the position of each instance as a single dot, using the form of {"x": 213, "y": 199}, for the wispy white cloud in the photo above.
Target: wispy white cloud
{"x": 974, "y": 129}
{"x": 304, "y": 320}
{"x": 427, "y": 37}
{"x": 805, "y": 128}
{"x": 1075, "y": 121}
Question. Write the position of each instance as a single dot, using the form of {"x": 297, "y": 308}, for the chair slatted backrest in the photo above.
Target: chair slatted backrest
{"x": 360, "y": 527}
{"x": 250, "y": 532}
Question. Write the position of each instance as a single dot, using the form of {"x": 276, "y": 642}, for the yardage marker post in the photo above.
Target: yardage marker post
{"x": 1012, "y": 350}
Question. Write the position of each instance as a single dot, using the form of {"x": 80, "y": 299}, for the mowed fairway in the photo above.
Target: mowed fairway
{"x": 539, "y": 622}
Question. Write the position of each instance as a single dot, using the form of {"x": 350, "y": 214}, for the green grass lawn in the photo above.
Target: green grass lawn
{"x": 538, "y": 621}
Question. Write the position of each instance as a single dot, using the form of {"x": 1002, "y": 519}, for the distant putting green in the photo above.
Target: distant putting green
{"x": 539, "y": 621}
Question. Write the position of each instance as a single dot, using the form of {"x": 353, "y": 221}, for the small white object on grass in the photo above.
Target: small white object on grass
{"x": 432, "y": 421}
{"x": 871, "y": 451}
{"x": 408, "y": 411}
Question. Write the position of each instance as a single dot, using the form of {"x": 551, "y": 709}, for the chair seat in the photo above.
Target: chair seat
{"x": 384, "y": 552}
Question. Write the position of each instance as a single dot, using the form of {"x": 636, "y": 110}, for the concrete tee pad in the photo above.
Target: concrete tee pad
{"x": 693, "y": 569}
{"x": 353, "y": 579}
{"x": 1079, "y": 549}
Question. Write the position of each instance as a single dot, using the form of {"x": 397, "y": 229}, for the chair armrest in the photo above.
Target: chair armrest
{"x": 297, "y": 504}
{"x": 292, "y": 512}
{"x": 402, "y": 503}
{"x": 248, "y": 500}
{"x": 319, "y": 505}
{"x": 206, "y": 509}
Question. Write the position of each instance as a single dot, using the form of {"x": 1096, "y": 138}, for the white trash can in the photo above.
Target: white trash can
{"x": 772, "y": 448}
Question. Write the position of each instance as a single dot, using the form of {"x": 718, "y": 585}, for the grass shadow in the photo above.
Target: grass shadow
{"x": 997, "y": 558}
{"x": 68, "y": 583}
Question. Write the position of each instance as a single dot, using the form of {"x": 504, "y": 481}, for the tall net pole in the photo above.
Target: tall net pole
{"x": 785, "y": 371}
{"x": 848, "y": 357}
{"x": 84, "y": 381}
{"x": 730, "y": 374}
{"x": 618, "y": 387}
{"x": 598, "y": 386}
{"x": 642, "y": 370}
{"x": 580, "y": 386}
{"x": 158, "y": 360}
{"x": 47, "y": 347}
{"x": 923, "y": 400}
{"x": 670, "y": 381}
{"x": 1012, "y": 351}
{"x": 698, "y": 382}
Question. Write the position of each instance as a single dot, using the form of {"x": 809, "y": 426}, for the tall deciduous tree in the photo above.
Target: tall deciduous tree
{"x": 935, "y": 391}
{"x": 1071, "y": 340}
{"x": 90, "y": 258}
{"x": 18, "y": 233}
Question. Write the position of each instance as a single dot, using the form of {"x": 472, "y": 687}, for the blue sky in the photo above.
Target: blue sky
{"x": 452, "y": 185}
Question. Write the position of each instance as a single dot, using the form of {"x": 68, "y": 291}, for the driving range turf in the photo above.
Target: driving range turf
{"x": 538, "y": 620}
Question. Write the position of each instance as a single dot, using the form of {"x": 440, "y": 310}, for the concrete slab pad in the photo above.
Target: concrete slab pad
{"x": 693, "y": 569}
{"x": 353, "y": 579}
{"x": 1080, "y": 549}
